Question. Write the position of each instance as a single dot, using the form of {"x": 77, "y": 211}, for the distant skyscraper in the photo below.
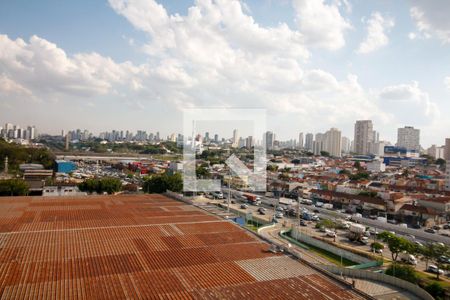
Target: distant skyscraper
{"x": 363, "y": 136}
{"x": 345, "y": 144}
{"x": 249, "y": 142}
{"x": 235, "y": 141}
{"x": 269, "y": 139}
{"x": 216, "y": 138}
{"x": 206, "y": 136}
{"x": 409, "y": 138}
{"x": 332, "y": 143}
{"x": 309, "y": 139}
{"x": 318, "y": 144}
{"x": 300, "y": 141}
{"x": 447, "y": 149}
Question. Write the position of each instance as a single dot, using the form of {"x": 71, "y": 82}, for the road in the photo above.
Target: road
{"x": 420, "y": 234}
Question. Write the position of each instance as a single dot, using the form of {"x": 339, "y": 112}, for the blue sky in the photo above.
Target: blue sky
{"x": 313, "y": 64}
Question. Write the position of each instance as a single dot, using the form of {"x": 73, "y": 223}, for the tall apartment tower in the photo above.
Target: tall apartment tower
{"x": 309, "y": 139}
{"x": 447, "y": 167}
{"x": 333, "y": 143}
{"x": 300, "y": 141}
{"x": 235, "y": 141}
{"x": 363, "y": 136}
{"x": 409, "y": 138}
{"x": 269, "y": 139}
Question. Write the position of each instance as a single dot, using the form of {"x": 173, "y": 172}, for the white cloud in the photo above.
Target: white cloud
{"x": 41, "y": 67}
{"x": 408, "y": 104}
{"x": 377, "y": 29}
{"x": 431, "y": 18}
{"x": 322, "y": 24}
{"x": 447, "y": 82}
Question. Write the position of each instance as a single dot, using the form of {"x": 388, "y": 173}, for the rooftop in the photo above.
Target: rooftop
{"x": 142, "y": 246}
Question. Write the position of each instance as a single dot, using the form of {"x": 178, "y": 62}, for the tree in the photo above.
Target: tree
{"x": 440, "y": 162}
{"x": 326, "y": 223}
{"x": 435, "y": 251}
{"x": 403, "y": 272}
{"x": 376, "y": 246}
{"x": 436, "y": 290}
{"x": 272, "y": 168}
{"x": 325, "y": 153}
{"x": 100, "y": 186}
{"x": 395, "y": 244}
{"x": 161, "y": 183}
{"x": 13, "y": 187}
{"x": 357, "y": 165}
{"x": 202, "y": 172}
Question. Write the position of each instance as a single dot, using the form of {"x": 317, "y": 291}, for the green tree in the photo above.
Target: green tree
{"x": 161, "y": 183}
{"x": 202, "y": 172}
{"x": 440, "y": 162}
{"x": 326, "y": 223}
{"x": 325, "y": 153}
{"x": 13, "y": 187}
{"x": 436, "y": 290}
{"x": 395, "y": 244}
{"x": 376, "y": 246}
{"x": 100, "y": 186}
{"x": 403, "y": 272}
{"x": 436, "y": 251}
{"x": 272, "y": 168}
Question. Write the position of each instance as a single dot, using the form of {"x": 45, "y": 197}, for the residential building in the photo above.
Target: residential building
{"x": 309, "y": 139}
{"x": 318, "y": 144}
{"x": 409, "y": 138}
{"x": 235, "y": 139}
{"x": 363, "y": 135}
{"x": 332, "y": 142}
{"x": 345, "y": 145}
{"x": 300, "y": 141}
{"x": 269, "y": 139}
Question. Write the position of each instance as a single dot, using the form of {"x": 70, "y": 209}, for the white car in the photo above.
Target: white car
{"x": 330, "y": 233}
{"x": 434, "y": 269}
{"x": 279, "y": 215}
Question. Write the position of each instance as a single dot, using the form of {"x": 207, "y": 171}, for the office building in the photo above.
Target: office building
{"x": 345, "y": 145}
{"x": 269, "y": 139}
{"x": 363, "y": 135}
{"x": 318, "y": 144}
{"x": 409, "y": 138}
{"x": 235, "y": 139}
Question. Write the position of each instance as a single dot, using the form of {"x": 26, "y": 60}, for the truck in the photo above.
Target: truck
{"x": 285, "y": 201}
{"x": 356, "y": 232}
{"x": 408, "y": 258}
{"x": 328, "y": 206}
{"x": 252, "y": 199}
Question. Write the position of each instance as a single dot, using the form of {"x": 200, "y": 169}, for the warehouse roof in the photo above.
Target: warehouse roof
{"x": 142, "y": 246}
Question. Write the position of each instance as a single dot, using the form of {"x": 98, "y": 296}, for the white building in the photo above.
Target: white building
{"x": 346, "y": 145}
{"x": 363, "y": 135}
{"x": 376, "y": 166}
{"x": 318, "y": 143}
{"x": 436, "y": 152}
{"x": 409, "y": 138}
{"x": 269, "y": 139}
{"x": 377, "y": 148}
{"x": 235, "y": 141}
{"x": 332, "y": 143}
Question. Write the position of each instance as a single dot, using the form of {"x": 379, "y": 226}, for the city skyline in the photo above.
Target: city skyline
{"x": 139, "y": 64}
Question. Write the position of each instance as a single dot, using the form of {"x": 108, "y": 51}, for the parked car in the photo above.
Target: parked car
{"x": 279, "y": 215}
{"x": 322, "y": 229}
{"x": 365, "y": 240}
{"x": 330, "y": 233}
{"x": 303, "y": 223}
{"x": 444, "y": 259}
{"x": 434, "y": 269}
{"x": 430, "y": 230}
{"x": 416, "y": 226}
{"x": 418, "y": 243}
{"x": 262, "y": 211}
{"x": 281, "y": 209}
{"x": 316, "y": 211}
{"x": 244, "y": 206}
{"x": 436, "y": 227}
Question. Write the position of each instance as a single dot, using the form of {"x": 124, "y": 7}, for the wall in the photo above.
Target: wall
{"x": 379, "y": 277}
{"x": 330, "y": 248}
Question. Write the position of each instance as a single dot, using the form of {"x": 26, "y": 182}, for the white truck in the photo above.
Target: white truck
{"x": 285, "y": 201}
{"x": 356, "y": 232}
{"x": 408, "y": 258}
{"x": 328, "y": 206}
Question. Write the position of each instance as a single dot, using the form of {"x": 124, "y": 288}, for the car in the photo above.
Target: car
{"x": 322, "y": 229}
{"x": 244, "y": 206}
{"x": 418, "y": 243}
{"x": 262, "y": 211}
{"x": 434, "y": 269}
{"x": 366, "y": 233}
{"x": 279, "y": 215}
{"x": 447, "y": 234}
{"x": 315, "y": 218}
{"x": 279, "y": 208}
{"x": 446, "y": 226}
{"x": 436, "y": 227}
{"x": 379, "y": 251}
{"x": 430, "y": 230}
{"x": 411, "y": 237}
{"x": 364, "y": 240}
{"x": 416, "y": 226}
{"x": 292, "y": 212}
{"x": 373, "y": 231}
{"x": 218, "y": 195}
{"x": 316, "y": 211}
{"x": 330, "y": 233}
{"x": 444, "y": 259}
{"x": 303, "y": 223}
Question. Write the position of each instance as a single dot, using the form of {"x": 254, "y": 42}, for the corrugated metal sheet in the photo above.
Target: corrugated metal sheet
{"x": 140, "y": 247}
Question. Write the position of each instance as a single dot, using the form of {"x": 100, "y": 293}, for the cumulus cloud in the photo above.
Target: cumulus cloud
{"x": 322, "y": 24}
{"x": 377, "y": 28}
{"x": 39, "y": 66}
{"x": 409, "y": 104}
{"x": 431, "y": 18}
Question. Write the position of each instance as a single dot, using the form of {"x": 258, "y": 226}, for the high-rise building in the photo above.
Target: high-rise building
{"x": 363, "y": 136}
{"x": 216, "y": 138}
{"x": 318, "y": 144}
{"x": 447, "y": 149}
{"x": 436, "y": 152}
{"x": 206, "y": 136}
{"x": 235, "y": 139}
{"x": 300, "y": 141}
{"x": 269, "y": 139}
{"x": 309, "y": 139}
{"x": 249, "y": 142}
{"x": 332, "y": 142}
{"x": 409, "y": 138}
{"x": 345, "y": 144}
